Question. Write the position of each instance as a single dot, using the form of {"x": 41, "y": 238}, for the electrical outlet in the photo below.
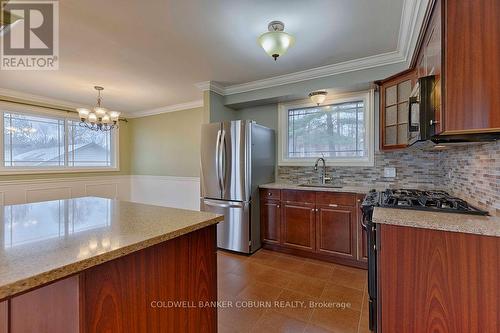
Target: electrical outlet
{"x": 390, "y": 172}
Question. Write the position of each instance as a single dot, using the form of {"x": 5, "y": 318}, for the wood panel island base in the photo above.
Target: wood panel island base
{"x": 158, "y": 289}
{"x": 131, "y": 268}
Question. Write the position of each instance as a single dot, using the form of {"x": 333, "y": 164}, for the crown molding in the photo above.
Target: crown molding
{"x": 211, "y": 86}
{"x": 318, "y": 72}
{"x": 14, "y": 95}
{"x": 166, "y": 109}
{"x": 411, "y": 20}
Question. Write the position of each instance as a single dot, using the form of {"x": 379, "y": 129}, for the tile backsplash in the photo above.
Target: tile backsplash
{"x": 414, "y": 169}
{"x": 473, "y": 174}
{"x": 469, "y": 172}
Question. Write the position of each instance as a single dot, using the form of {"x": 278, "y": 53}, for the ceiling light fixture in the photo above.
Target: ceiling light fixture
{"x": 276, "y": 42}
{"x": 318, "y": 97}
{"x": 99, "y": 119}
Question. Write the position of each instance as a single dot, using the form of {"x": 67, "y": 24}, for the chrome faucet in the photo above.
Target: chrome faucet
{"x": 323, "y": 177}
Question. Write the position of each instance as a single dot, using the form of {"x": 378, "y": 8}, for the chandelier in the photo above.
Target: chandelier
{"x": 276, "y": 41}
{"x": 99, "y": 118}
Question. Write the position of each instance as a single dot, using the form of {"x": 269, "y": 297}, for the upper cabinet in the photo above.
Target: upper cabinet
{"x": 429, "y": 61}
{"x": 471, "y": 66}
{"x": 460, "y": 46}
{"x": 395, "y": 93}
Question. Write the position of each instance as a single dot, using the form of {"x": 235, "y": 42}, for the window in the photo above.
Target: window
{"x": 88, "y": 148}
{"x": 47, "y": 143}
{"x": 340, "y": 130}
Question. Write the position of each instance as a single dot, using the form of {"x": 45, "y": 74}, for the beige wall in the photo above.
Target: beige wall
{"x": 167, "y": 144}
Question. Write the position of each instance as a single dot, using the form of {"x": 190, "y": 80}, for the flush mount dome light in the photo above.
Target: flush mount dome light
{"x": 276, "y": 42}
{"x": 318, "y": 97}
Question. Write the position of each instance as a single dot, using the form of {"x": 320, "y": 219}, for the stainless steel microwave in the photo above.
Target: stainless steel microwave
{"x": 421, "y": 109}
{"x": 421, "y": 118}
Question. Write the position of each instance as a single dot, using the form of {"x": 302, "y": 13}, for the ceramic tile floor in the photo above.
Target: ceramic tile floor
{"x": 274, "y": 292}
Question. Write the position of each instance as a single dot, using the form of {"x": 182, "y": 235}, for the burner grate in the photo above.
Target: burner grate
{"x": 426, "y": 200}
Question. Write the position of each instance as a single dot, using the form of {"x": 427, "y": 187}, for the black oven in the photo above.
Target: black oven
{"x": 370, "y": 201}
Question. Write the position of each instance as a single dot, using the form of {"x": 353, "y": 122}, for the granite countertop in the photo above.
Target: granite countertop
{"x": 349, "y": 189}
{"x": 465, "y": 223}
{"x": 46, "y": 241}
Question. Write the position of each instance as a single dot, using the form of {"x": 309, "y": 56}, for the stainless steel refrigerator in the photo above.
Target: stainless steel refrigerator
{"x": 236, "y": 157}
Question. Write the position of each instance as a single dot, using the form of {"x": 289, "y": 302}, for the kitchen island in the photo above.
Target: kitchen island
{"x": 101, "y": 265}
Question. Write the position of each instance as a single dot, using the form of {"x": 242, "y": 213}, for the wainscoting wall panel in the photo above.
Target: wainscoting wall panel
{"x": 45, "y": 194}
{"x": 177, "y": 192}
{"x": 35, "y": 190}
{"x": 109, "y": 190}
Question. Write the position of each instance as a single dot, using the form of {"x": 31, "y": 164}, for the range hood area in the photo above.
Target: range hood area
{"x": 465, "y": 139}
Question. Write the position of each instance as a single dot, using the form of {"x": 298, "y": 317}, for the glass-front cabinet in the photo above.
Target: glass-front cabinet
{"x": 394, "y": 96}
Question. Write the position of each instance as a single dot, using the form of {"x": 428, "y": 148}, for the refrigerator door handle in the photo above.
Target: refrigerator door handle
{"x": 223, "y": 162}
{"x": 222, "y": 205}
{"x": 217, "y": 159}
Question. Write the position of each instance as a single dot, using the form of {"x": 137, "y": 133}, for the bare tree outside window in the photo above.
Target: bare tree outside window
{"x": 331, "y": 131}
{"x": 45, "y": 142}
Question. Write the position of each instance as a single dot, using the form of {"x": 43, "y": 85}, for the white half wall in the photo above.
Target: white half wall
{"x": 26, "y": 191}
{"x": 177, "y": 192}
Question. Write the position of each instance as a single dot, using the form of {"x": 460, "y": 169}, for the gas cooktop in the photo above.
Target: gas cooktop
{"x": 439, "y": 201}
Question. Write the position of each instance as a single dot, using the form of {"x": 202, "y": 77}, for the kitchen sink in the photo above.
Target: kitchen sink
{"x": 321, "y": 185}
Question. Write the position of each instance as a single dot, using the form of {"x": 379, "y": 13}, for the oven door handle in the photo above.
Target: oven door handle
{"x": 363, "y": 219}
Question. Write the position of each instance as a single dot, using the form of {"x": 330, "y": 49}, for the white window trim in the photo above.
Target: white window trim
{"x": 369, "y": 115}
{"x": 41, "y": 112}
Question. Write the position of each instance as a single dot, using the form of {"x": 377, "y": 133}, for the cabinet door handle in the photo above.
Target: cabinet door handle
{"x": 277, "y": 206}
{"x": 333, "y": 205}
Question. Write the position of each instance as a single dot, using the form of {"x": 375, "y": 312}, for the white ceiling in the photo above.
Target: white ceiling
{"x": 149, "y": 54}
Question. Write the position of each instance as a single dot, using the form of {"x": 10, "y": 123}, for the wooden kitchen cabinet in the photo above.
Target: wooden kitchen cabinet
{"x": 394, "y": 96}
{"x": 270, "y": 218}
{"x": 335, "y": 230}
{"x": 429, "y": 61}
{"x": 471, "y": 66}
{"x": 437, "y": 281}
{"x": 298, "y": 226}
{"x": 314, "y": 224}
{"x": 459, "y": 45}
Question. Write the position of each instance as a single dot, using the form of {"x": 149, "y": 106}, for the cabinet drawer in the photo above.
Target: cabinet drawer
{"x": 270, "y": 194}
{"x": 333, "y": 198}
{"x": 298, "y": 196}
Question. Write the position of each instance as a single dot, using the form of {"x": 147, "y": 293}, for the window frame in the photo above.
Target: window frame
{"x": 70, "y": 116}
{"x": 369, "y": 116}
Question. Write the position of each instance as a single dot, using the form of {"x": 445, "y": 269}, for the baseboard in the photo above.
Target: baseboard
{"x": 317, "y": 256}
